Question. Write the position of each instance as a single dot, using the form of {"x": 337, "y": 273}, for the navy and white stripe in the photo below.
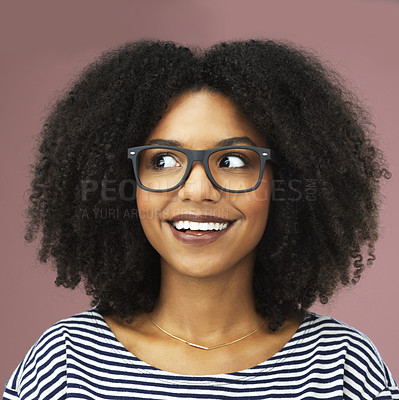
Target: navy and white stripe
{"x": 80, "y": 358}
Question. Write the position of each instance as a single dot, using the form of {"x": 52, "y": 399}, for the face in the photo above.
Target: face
{"x": 199, "y": 121}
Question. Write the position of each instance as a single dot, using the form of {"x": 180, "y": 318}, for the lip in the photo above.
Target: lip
{"x": 201, "y": 238}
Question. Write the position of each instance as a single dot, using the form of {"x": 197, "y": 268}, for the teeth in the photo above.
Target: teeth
{"x": 200, "y": 226}
{"x": 194, "y": 226}
{"x": 180, "y": 225}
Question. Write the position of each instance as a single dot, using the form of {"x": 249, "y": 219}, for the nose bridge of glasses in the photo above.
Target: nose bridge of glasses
{"x": 195, "y": 156}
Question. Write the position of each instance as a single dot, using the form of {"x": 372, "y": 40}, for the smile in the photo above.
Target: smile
{"x": 199, "y": 226}
{"x": 199, "y": 233}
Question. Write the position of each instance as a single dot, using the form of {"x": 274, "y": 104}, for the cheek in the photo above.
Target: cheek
{"x": 144, "y": 203}
{"x": 150, "y": 207}
{"x": 257, "y": 213}
{"x": 262, "y": 196}
{"x": 255, "y": 206}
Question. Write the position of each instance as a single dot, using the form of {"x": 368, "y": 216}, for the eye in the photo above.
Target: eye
{"x": 233, "y": 161}
{"x": 162, "y": 161}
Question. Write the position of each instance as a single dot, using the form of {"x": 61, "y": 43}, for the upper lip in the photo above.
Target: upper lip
{"x": 198, "y": 218}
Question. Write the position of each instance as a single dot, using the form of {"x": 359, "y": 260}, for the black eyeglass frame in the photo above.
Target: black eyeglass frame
{"x": 203, "y": 156}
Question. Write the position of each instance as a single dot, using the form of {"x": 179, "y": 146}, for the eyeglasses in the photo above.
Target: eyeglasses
{"x": 235, "y": 169}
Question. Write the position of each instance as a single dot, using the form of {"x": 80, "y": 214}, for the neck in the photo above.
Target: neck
{"x": 208, "y": 310}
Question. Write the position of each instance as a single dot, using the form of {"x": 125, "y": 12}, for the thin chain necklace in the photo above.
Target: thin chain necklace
{"x": 203, "y": 347}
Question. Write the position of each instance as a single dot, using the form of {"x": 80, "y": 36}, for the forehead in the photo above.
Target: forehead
{"x": 204, "y": 119}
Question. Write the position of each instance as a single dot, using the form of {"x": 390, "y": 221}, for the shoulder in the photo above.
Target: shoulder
{"x": 342, "y": 338}
{"x": 327, "y": 329}
{"x": 324, "y": 326}
{"x": 351, "y": 351}
{"x": 43, "y": 369}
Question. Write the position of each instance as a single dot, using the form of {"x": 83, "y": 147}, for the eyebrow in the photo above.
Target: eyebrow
{"x": 225, "y": 142}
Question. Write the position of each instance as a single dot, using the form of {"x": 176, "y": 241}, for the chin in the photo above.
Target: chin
{"x": 201, "y": 270}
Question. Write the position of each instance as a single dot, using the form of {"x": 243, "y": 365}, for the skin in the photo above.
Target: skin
{"x": 206, "y": 292}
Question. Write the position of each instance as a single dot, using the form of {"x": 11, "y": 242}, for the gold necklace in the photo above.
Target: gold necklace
{"x": 203, "y": 347}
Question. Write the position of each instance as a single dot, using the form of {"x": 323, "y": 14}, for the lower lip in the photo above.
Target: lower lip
{"x": 198, "y": 238}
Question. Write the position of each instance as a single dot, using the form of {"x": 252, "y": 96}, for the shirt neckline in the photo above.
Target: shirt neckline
{"x": 164, "y": 375}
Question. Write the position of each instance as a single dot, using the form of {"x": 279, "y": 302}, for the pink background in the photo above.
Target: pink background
{"x": 44, "y": 44}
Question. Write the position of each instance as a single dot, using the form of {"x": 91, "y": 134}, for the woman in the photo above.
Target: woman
{"x": 202, "y": 275}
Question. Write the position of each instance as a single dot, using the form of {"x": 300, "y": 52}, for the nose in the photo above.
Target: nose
{"x": 197, "y": 186}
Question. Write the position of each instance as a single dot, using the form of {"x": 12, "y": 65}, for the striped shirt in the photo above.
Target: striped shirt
{"x": 80, "y": 358}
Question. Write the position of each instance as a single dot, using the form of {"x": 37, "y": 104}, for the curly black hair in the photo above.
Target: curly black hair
{"x": 313, "y": 241}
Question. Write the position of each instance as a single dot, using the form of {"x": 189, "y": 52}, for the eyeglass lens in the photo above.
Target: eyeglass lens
{"x": 234, "y": 169}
